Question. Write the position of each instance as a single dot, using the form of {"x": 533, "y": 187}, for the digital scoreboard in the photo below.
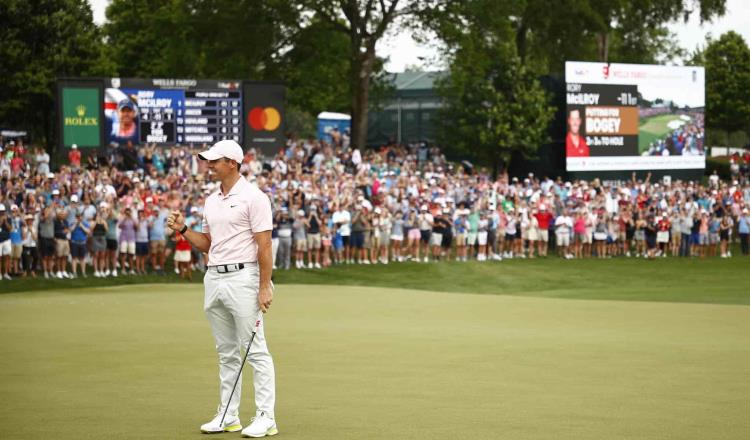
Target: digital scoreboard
{"x": 634, "y": 117}
{"x": 173, "y": 111}
{"x": 95, "y": 112}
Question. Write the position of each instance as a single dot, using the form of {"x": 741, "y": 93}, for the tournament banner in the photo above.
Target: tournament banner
{"x": 626, "y": 117}
{"x": 80, "y": 114}
{"x": 264, "y": 116}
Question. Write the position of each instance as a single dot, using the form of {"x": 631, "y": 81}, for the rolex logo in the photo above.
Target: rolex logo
{"x": 80, "y": 119}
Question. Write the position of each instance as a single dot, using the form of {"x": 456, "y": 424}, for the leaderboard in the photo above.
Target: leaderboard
{"x": 209, "y": 116}
{"x": 172, "y": 111}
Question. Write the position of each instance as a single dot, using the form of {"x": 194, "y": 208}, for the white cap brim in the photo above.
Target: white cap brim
{"x": 209, "y": 155}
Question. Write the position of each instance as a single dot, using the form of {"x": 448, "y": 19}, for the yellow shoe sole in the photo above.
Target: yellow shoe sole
{"x": 270, "y": 432}
{"x": 233, "y": 428}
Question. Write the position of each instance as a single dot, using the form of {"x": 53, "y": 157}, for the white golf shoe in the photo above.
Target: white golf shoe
{"x": 231, "y": 424}
{"x": 261, "y": 425}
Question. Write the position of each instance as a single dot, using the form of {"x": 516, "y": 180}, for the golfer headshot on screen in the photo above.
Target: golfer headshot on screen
{"x": 575, "y": 143}
{"x": 126, "y": 116}
{"x": 236, "y": 233}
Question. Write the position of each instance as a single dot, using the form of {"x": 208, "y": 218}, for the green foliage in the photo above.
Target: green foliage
{"x": 632, "y": 31}
{"x": 301, "y": 123}
{"x": 727, "y": 63}
{"x": 199, "y": 38}
{"x": 40, "y": 41}
{"x": 494, "y": 104}
{"x": 317, "y": 69}
{"x": 718, "y": 164}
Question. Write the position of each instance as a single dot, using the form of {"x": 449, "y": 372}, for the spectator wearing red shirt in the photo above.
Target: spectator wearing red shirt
{"x": 543, "y": 218}
{"x": 74, "y": 157}
{"x": 16, "y": 164}
{"x": 182, "y": 256}
{"x": 663, "y": 225}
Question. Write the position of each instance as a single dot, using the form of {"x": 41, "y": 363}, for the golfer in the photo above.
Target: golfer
{"x": 237, "y": 224}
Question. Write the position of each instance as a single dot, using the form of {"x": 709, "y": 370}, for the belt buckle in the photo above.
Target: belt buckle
{"x": 221, "y": 268}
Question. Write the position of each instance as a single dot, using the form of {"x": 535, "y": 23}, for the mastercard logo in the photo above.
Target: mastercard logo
{"x": 261, "y": 118}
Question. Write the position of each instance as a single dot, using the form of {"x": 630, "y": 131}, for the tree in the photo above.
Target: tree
{"x": 727, "y": 63}
{"x": 494, "y": 104}
{"x": 316, "y": 67}
{"x": 632, "y": 31}
{"x": 200, "y": 38}
{"x": 364, "y": 22}
{"x": 41, "y": 41}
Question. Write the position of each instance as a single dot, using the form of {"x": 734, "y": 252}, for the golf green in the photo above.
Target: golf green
{"x": 137, "y": 362}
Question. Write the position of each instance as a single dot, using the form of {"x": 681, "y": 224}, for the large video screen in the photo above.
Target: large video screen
{"x": 172, "y": 111}
{"x": 628, "y": 117}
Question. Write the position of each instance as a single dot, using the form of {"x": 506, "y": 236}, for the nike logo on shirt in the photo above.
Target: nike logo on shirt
{"x": 232, "y": 206}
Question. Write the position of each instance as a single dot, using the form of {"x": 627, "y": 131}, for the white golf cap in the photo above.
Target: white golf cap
{"x": 74, "y": 146}
{"x": 377, "y": 210}
{"x": 194, "y": 209}
{"x": 74, "y": 198}
{"x": 226, "y": 148}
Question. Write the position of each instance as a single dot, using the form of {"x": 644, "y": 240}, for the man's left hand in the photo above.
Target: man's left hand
{"x": 265, "y": 297}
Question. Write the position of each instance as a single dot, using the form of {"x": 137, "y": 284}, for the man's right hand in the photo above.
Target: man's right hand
{"x": 175, "y": 221}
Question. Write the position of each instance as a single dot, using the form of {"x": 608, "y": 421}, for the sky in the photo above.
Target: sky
{"x": 403, "y": 51}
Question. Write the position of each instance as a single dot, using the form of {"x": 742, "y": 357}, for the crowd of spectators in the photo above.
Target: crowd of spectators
{"x": 336, "y": 205}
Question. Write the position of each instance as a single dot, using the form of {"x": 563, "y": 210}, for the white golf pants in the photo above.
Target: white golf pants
{"x": 231, "y": 306}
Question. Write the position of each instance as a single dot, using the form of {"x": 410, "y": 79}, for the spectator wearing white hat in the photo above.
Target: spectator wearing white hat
{"x": 425, "y": 221}
{"x": 461, "y": 227}
{"x": 342, "y": 229}
{"x": 30, "y": 251}
{"x": 16, "y": 239}
{"x": 74, "y": 157}
{"x": 436, "y": 235}
{"x": 284, "y": 226}
{"x": 397, "y": 235}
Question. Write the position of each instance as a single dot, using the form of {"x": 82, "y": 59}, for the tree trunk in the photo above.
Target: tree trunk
{"x": 362, "y": 64}
{"x": 602, "y": 42}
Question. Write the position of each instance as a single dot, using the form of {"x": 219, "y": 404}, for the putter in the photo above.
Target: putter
{"x": 255, "y": 330}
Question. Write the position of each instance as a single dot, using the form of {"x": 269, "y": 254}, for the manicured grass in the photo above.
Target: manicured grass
{"x": 653, "y": 128}
{"x": 138, "y": 362}
{"x": 713, "y": 280}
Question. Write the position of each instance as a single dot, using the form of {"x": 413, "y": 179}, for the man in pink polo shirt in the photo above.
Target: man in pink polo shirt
{"x": 237, "y": 224}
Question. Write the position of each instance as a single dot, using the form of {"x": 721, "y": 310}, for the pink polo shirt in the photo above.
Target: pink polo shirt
{"x": 232, "y": 218}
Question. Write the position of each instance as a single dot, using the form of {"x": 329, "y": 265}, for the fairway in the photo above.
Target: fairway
{"x": 137, "y": 362}
{"x": 654, "y": 128}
